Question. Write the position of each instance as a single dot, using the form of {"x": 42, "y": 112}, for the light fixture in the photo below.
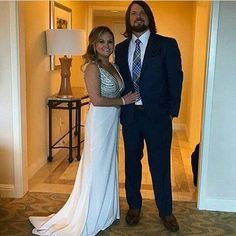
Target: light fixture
{"x": 65, "y": 43}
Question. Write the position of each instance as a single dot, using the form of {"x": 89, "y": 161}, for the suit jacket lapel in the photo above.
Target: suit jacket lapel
{"x": 153, "y": 48}
{"x": 125, "y": 57}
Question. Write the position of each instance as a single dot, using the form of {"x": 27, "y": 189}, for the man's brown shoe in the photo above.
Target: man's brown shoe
{"x": 132, "y": 216}
{"x": 170, "y": 223}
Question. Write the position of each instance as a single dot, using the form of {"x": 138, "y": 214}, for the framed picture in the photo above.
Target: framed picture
{"x": 60, "y": 18}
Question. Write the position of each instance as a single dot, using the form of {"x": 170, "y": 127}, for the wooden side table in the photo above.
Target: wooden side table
{"x": 80, "y": 99}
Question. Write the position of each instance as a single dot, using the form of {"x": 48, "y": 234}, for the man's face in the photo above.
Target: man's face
{"x": 138, "y": 19}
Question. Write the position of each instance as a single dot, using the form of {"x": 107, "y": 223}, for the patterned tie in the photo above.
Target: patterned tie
{"x": 136, "y": 69}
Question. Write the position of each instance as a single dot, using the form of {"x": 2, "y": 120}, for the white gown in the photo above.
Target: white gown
{"x": 94, "y": 202}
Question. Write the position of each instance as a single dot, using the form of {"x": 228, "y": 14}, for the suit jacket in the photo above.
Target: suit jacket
{"x": 161, "y": 77}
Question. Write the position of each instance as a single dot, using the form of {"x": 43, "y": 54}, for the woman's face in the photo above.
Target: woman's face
{"x": 105, "y": 45}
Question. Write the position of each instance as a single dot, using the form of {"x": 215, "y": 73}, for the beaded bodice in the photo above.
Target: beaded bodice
{"x": 109, "y": 85}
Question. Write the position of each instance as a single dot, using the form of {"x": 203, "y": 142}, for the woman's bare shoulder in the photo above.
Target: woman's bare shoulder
{"x": 91, "y": 66}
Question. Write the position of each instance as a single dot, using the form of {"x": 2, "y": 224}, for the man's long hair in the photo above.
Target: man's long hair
{"x": 148, "y": 11}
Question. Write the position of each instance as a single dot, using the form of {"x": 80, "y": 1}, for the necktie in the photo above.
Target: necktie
{"x": 136, "y": 68}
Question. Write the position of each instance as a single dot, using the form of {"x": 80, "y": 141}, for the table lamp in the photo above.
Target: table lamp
{"x": 65, "y": 43}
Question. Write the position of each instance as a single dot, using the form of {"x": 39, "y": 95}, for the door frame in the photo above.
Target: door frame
{"x": 91, "y": 10}
{"x": 19, "y": 122}
{"x": 207, "y": 107}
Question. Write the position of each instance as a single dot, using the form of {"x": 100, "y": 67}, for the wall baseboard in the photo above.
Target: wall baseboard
{"x": 179, "y": 126}
{"x": 183, "y": 127}
{"x": 7, "y": 190}
{"x": 35, "y": 167}
{"x": 218, "y": 205}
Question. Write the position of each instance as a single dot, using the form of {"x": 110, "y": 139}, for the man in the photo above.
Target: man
{"x": 152, "y": 66}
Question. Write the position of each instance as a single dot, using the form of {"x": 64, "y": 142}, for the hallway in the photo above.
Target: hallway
{"x": 58, "y": 176}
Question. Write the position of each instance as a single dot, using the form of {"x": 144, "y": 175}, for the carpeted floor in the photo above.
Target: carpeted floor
{"x": 14, "y": 217}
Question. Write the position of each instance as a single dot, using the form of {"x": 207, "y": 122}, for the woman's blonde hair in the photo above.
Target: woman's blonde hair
{"x": 94, "y": 36}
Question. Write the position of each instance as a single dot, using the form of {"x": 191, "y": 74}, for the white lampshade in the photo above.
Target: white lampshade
{"x": 65, "y": 42}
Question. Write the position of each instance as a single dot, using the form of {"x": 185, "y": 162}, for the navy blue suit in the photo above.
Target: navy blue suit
{"x": 160, "y": 86}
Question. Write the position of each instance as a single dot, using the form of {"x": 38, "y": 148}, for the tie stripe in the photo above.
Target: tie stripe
{"x": 136, "y": 68}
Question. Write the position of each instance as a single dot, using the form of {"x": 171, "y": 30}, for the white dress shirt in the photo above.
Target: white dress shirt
{"x": 144, "y": 40}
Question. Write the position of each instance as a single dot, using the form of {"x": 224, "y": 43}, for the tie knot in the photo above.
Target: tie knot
{"x": 137, "y": 41}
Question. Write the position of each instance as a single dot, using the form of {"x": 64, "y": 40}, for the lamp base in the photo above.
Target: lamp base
{"x": 65, "y": 88}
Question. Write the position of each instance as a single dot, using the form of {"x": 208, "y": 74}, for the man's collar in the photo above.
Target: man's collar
{"x": 143, "y": 38}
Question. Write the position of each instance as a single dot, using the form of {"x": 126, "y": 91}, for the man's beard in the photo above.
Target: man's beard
{"x": 139, "y": 28}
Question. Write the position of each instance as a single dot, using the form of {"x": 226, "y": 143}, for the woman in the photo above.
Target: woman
{"x": 94, "y": 202}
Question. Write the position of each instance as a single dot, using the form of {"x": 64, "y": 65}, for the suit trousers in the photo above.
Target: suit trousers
{"x": 157, "y": 136}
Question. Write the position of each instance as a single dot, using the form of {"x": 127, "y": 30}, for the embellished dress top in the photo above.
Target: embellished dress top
{"x": 110, "y": 87}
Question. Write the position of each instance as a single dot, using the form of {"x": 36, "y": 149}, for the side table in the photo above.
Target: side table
{"x": 54, "y": 103}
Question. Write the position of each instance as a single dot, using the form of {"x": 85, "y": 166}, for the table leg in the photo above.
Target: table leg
{"x": 76, "y": 118}
{"x": 50, "y": 132}
{"x": 70, "y": 105}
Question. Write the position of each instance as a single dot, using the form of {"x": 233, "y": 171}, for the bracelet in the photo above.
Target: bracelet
{"x": 123, "y": 100}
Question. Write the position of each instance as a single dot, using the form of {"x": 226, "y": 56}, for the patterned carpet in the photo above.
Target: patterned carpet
{"x": 14, "y": 217}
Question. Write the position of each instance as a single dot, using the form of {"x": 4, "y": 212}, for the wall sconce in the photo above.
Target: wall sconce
{"x": 66, "y": 43}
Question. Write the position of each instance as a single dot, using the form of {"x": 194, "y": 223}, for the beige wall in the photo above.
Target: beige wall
{"x": 108, "y": 3}
{"x": 40, "y": 81}
{"x": 198, "y": 74}
{"x": 79, "y": 21}
{"x": 35, "y": 20}
{"x": 176, "y": 19}
{"x": 188, "y": 23}
{"x": 102, "y": 20}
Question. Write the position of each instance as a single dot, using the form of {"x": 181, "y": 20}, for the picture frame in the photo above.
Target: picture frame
{"x": 60, "y": 17}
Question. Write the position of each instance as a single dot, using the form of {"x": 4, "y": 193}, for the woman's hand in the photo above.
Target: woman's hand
{"x": 130, "y": 98}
